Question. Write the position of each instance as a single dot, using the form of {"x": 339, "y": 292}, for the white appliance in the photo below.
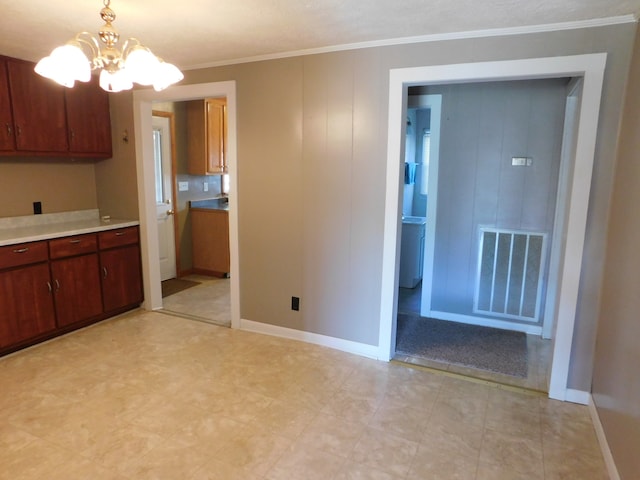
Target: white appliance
{"x": 412, "y": 251}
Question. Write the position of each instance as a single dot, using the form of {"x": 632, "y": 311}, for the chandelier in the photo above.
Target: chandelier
{"x": 119, "y": 69}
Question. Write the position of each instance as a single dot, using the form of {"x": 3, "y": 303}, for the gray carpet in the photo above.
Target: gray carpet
{"x": 492, "y": 349}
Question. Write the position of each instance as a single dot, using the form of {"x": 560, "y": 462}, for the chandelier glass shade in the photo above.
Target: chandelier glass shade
{"x": 119, "y": 68}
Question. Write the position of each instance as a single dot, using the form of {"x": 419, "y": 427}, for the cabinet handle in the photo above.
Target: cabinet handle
{"x": 57, "y": 285}
{"x": 104, "y": 272}
{"x": 9, "y": 130}
{"x": 72, "y": 134}
{"x": 74, "y": 241}
{"x": 18, "y": 130}
{"x": 21, "y": 250}
{"x": 119, "y": 234}
{"x": 49, "y": 287}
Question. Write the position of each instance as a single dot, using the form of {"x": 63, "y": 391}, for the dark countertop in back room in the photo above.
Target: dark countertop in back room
{"x": 220, "y": 203}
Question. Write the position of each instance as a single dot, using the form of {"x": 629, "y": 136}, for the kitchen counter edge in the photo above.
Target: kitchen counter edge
{"x": 14, "y": 236}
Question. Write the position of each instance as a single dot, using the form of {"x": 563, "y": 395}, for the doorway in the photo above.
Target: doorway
{"x": 591, "y": 69}
{"x": 143, "y": 105}
{"x": 490, "y": 264}
{"x": 198, "y": 207}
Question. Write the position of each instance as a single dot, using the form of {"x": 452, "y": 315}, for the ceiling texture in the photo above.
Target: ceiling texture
{"x": 199, "y": 33}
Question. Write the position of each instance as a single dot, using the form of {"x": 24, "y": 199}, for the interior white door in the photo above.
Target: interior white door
{"x": 164, "y": 196}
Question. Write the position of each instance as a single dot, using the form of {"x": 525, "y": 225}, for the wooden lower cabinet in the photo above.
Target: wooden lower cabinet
{"x": 121, "y": 277}
{"x": 26, "y": 304}
{"x": 210, "y": 237}
{"x": 76, "y": 286}
{"x": 52, "y": 287}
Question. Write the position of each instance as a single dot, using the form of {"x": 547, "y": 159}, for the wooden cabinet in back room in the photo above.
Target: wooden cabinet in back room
{"x": 207, "y": 133}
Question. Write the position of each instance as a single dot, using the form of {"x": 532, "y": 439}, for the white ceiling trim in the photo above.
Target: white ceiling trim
{"x": 494, "y": 32}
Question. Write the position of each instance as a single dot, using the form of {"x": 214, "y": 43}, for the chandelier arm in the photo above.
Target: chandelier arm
{"x": 88, "y": 40}
{"x": 129, "y": 44}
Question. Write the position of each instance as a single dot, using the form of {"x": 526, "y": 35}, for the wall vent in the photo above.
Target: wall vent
{"x": 510, "y": 274}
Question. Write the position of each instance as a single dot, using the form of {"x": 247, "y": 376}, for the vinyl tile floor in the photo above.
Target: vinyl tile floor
{"x": 539, "y": 354}
{"x": 149, "y": 395}
{"x": 209, "y": 301}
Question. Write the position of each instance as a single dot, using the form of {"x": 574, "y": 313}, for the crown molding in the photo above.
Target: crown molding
{"x": 438, "y": 37}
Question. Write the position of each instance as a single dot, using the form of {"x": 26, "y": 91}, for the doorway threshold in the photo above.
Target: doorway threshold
{"x": 409, "y": 362}
{"x": 194, "y": 318}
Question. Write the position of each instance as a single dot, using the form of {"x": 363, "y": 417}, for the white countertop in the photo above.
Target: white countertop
{"x": 13, "y": 230}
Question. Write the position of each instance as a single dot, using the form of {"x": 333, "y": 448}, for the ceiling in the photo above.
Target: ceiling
{"x": 196, "y": 33}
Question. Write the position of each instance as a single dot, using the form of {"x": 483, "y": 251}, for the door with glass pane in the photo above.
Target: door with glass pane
{"x": 162, "y": 152}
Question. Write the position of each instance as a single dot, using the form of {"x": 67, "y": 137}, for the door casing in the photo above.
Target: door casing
{"x": 591, "y": 68}
{"x": 142, "y": 113}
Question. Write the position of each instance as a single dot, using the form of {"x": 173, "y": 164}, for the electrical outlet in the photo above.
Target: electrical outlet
{"x": 295, "y": 303}
{"x": 183, "y": 186}
{"x": 37, "y": 208}
{"x": 206, "y": 187}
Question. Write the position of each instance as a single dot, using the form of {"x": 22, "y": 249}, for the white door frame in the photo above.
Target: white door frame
{"x": 142, "y": 107}
{"x": 434, "y": 103}
{"x": 591, "y": 68}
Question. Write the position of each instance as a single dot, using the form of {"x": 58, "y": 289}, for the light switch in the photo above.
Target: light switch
{"x": 206, "y": 187}
{"x": 183, "y": 186}
{"x": 521, "y": 161}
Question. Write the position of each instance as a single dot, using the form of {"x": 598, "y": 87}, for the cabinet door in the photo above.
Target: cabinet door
{"x": 7, "y": 140}
{"x": 26, "y": 304}
{"x": 216, "y": 135}
{"x": 207, "y": 132}
{"x": 88, "y": 119}
{"x": 76, "y": 284}
{"x": 38, "y": 110}
{"x": 121, "y": 277}
{"x": 197, "y": 144}
{"x": 210, "y": 237}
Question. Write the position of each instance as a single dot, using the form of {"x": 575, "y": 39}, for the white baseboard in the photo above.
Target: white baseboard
{"x": 484, "y": 322}
{"x": 577, "y": 396}
{"x": 348, "y": 346}
{"x": 602, "y": 440}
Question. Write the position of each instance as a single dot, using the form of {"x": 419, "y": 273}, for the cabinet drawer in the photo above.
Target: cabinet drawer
{"x": 118, "y": 237}
{"x": 75, "y": 245}
{"x": 23, "y": 254}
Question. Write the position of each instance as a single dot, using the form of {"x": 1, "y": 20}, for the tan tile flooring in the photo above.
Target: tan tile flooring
{"x": 209, "y": 301}
{"x": 153, "y": 396}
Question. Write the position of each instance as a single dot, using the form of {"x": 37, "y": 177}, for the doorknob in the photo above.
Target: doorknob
{"x": 170, "y": 212}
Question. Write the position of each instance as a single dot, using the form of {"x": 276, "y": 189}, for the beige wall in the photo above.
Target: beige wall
{"x": 116, "y": 181}
{"x": 109, "y": 185}
{"x": 61, "y": 187}
{"x": 312, "y": 137}
{"x": 616, "y": 381}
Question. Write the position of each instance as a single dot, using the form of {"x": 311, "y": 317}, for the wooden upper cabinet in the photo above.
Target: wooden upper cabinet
{"x": 207, "y": 133}
{"x": 38, "y": 110}
{"x": 7, "y": 139}
{"x": 88, "y": 119}
{"x": 38, "y": 117}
